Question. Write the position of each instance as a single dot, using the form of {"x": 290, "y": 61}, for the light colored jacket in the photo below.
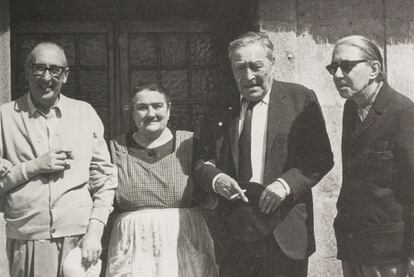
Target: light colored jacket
{"x": 61, "y": 203}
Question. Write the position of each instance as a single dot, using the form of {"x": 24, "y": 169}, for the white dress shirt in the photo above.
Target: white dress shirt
{"x": 258, "y": 135}
{"x": 258, "y": 139}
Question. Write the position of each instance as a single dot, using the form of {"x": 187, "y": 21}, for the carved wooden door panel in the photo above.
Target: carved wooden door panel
{"x": 182, "y": 56}
{"x": 89, "y": 50}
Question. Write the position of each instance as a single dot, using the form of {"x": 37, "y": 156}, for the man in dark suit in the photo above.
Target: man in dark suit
{"x": 286, "y": 150}
{"x": 374, "y": 225}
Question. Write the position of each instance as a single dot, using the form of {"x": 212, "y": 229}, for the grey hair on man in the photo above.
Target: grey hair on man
{"x": 250, "y": 38}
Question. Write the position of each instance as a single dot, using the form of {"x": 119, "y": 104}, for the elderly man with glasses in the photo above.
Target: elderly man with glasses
{"x": 375, "y": 222}
{"x": 57, "y": 181}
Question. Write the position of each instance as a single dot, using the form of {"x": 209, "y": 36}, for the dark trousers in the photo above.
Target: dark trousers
{"x": 261, "y": 259}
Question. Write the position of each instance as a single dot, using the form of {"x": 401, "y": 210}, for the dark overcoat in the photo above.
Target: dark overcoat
{"x": 297, "y": 150}
{"x": 374, "y": 224}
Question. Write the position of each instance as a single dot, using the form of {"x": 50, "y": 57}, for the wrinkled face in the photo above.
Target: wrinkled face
{"x": 353, "y": 83}
{"x": 150, "y": 112}
{"x": 253, "y": 71}
{"x": 47, "y": 74}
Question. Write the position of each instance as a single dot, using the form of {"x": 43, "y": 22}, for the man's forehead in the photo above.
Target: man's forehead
{"x": 149, "y": 100}
{"x": 250, "y": 52}
{"x": 49, "y": 54}
{"x": 346, "y": 52}
{"x": 250, "y": 61}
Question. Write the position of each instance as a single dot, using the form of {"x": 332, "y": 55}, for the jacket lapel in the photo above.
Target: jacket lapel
{"x": 379, "y": 107}
{"x": 349, "y": 123}
{"x": 275, "y": 114}
{"x": 233, "y": 133}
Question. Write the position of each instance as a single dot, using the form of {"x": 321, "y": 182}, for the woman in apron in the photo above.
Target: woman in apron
{"x": 159, "y": 231}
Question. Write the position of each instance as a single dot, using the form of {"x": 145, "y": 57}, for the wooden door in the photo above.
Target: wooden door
{"x": 182, "y": 56}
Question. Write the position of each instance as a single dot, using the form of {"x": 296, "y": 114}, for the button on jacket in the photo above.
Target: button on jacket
{"x": 61, "y": 203}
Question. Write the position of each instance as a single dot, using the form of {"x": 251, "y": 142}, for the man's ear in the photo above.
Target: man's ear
{"x": 376, "y": 69}
{"x": 273, "y": 65}
{"x": 65, "y": 75}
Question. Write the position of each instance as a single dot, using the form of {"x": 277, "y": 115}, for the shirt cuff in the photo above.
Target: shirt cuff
{"x": 214, "y": 181}
{"x": 285, "y": 185}
{"x": 101, "y": 214}
{"x": 99, "y": 220}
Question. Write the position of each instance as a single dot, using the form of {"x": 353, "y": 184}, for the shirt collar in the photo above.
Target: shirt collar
{"x": 59, "y": 106}
{"x": 266, "y": 97}
{"x": 370, "y": 100}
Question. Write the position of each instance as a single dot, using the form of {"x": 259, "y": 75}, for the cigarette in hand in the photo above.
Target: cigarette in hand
{"x": 237, "y": 194}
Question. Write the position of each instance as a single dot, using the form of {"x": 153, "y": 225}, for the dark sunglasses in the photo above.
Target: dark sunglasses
{"x": 344, "y": 65}
{"x": 55, "y": 71}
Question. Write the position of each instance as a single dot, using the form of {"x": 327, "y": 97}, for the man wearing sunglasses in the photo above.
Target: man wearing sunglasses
{"x": 49, "y": 146}
{"x": 374, "y": 225}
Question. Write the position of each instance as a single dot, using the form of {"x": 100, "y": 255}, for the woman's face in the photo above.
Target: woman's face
{"x": 150, "y": 112}
{"x": 352, "y": 82}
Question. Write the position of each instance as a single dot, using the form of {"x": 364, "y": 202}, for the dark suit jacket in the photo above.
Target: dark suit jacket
{"x": 297, "y": 150}
{"x": 376, "y": 203}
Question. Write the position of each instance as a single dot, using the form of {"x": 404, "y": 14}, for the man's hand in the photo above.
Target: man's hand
{"x": 410, "y": 266}
{"x": 52, "y": 161}
{"x": 228, "y": 187}
{"x": 90, "y": 244}
{"x": 271, "y": 197}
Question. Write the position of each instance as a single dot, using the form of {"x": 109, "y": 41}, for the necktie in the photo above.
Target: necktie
{"x": 245, "y": 162}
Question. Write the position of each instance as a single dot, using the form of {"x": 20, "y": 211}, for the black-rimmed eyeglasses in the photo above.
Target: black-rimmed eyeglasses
{"x": 344, "y": 65}
{"x": 55, "y": 71}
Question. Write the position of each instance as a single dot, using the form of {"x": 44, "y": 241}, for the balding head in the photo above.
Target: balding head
{"x": 49, "y": 47}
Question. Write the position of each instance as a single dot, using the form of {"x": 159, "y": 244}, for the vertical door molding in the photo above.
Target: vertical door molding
{"x": 5, "y": 62}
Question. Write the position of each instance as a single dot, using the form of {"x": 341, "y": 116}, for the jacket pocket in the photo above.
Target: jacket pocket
{"x": 385, "y": 245}
{"x": 377, "y": 166}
